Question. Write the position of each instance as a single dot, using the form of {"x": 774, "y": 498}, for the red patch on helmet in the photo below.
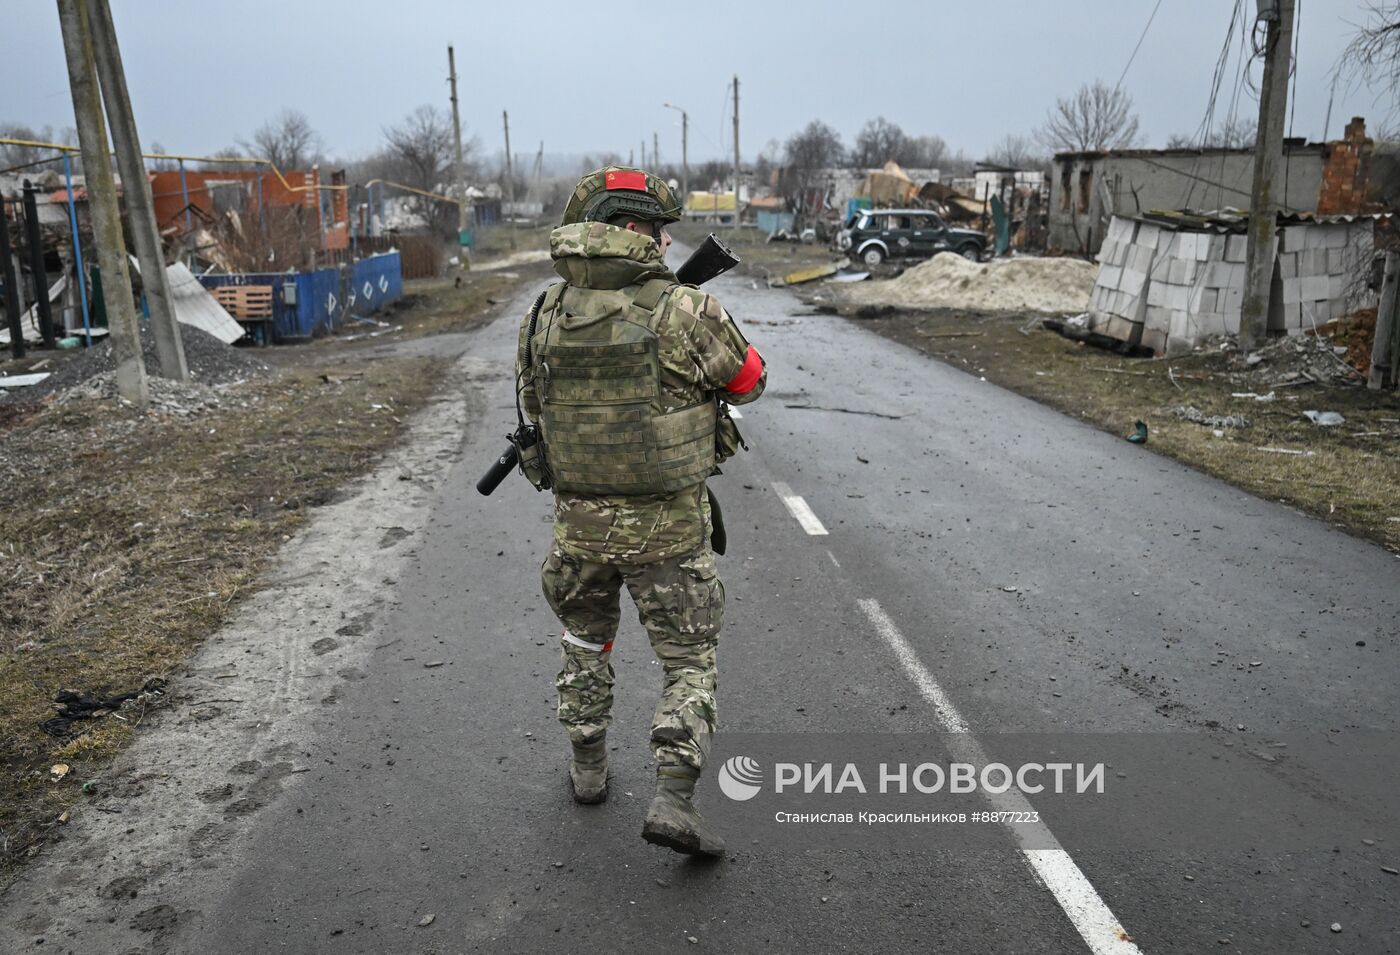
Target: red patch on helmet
{"x": 627, "y": 180}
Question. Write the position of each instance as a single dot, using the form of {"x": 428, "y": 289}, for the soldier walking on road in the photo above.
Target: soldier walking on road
{"x": 627, "y": 373}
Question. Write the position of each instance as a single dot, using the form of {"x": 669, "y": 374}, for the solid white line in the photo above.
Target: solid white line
{"x": 798, "y": 508}
{"x": 1051, "y": 864}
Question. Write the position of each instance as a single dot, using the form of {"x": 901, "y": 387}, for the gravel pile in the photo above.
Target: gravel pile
{"x": 1056, "y": 285}
{"x": 182, "y": 398}
{"x": 210, "y": 361}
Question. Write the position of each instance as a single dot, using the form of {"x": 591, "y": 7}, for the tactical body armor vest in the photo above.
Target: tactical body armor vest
{"x": 596, "y": 371}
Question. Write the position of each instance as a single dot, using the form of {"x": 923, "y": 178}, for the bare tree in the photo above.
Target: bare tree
{"x": 1238, "y": 133}
{"x": 287, "y": 139}
{"x": 922, "y": 152}
{"x": 806, "y": 155}
{"x": 1373, "y": 55}
{"x": 1016, "y": 152}
{"x": 878, "y": 141}
{"x": 1096, "y": 117}
{"x": 420, "y": 153}
{"x": 34, "y": 158}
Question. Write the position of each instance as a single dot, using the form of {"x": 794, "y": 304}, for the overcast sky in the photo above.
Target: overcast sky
{"x": 592, "y": 77}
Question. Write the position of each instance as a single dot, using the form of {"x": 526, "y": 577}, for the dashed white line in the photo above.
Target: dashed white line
{"x": 798, "y": 508}
{"x": 1051, "y": 864}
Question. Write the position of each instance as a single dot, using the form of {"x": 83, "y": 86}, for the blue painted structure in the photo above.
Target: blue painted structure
{"x": 770, "y": 222}
{"x": 323, "y": 298}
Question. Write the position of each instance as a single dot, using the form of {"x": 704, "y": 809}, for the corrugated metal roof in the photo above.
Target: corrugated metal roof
{"x": 194, "y": 306}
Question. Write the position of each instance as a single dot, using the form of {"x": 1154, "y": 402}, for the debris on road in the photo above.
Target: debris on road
{"x": 426, "y": 920}
{"x": 22, "y": 381}
{"x": 1139, "y": 435}
{"x": 950, "y": 281}
{"x": 802, "y": 276}
{"x": 1326, "y": 419}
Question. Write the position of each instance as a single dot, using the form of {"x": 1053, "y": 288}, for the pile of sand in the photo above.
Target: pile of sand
{"x": 1059, "y": 285}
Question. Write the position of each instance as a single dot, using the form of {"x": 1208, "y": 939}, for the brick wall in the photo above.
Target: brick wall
{"x": 1346, "y": 174}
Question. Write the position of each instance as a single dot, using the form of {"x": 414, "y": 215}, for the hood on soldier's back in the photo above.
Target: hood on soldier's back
{"x": 602, "y": 256}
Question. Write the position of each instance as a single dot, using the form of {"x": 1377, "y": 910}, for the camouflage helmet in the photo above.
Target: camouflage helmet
{"x": 614, "y": 190}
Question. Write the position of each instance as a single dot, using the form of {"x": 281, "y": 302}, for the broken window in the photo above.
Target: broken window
{"x": 1086, "y": 187}
{"x": 1066, "y": 186}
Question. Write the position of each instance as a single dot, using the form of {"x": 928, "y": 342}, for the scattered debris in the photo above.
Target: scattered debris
{"x": 1257, "y": 397}
{"x": 1326, "y": 419}
{"x": 850, "y": 277}
{"x": 1306, "y": 454}
{"x": 57, "y": 771}
{"x": 1012, "y": 285}
{"x": 426, "y": 920}
{"x": 810, "y": 275}
{"x": 74, "y": 705}
{"x": 166, "y": 396}
{"x": 1194, "y": 414}
{"x": 1139, "y": 435}
{"x": 22, "y": 381}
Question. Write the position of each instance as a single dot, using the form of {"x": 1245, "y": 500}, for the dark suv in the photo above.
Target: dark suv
{"x": 874, "y": 235}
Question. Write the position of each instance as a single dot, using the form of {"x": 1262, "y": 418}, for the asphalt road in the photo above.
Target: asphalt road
{"x": 987, "y": 565}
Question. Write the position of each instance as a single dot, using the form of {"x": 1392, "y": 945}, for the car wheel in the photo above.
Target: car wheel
{"x": 873, "y": 256}
{"x": 971, "y": 253}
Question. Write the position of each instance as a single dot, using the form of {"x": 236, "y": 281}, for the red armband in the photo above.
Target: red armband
{"x": 744, "y": 382}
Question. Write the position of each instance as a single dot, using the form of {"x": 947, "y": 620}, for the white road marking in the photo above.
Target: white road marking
{"x": 834, "y": 560}
{"x": 1051, "y": 864}
{"x": 798, "y": 508}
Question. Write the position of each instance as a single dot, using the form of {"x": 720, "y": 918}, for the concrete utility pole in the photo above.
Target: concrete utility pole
{"x": 510, "y": 178}
{"x": 102, "y": 200}
{"x": 685, "y": 151}
{"x": 1264, "y": 201}
{"x": 140, "y": 206}
{"x": 37, "y": 273}
{"x": 458, "y": 172}
{"x": 655, "y": 150}
{"x": 644, "y": 153}
{"x": 736, "y": 152}
{"x": 7, "y": 272}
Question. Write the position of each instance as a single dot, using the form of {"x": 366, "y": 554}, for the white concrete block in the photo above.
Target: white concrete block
{"x": 1217, "y": 248}
{"x": 1178, "y": 297}
{"x": 1337, "y": 308}
{"x": 1234, "y": 299}
{"x": 1295, "y": 238}
{"x": 1316, "y": 237}
{"x": 1235, "y": 248}
{"x": 1338, "y": 285}
{"x": 1156, "y": 294}
{"x": 1333, "y": 236}
{"x": 1311, "y": 315}
{"x": 1288, "y": 265}
{"x": 1230, "y": 321}
{"x": 1292, "y": 291}
{"x": 1109, "y": 276}
{"x": 1184, "y": 246}
{"x": 1149, "y": 236}
{"x": 1132, "y": 282}
{"x": 1157, "y": 317}
{"x": 1314, "y": 288}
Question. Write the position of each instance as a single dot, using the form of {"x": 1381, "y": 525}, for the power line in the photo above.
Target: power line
{"x": 1138, "y": 47}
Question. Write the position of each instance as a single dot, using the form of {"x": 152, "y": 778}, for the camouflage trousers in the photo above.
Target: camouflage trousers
{"x": 680, "y": 602}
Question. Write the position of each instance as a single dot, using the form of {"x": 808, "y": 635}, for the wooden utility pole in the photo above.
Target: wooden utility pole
{"x": 510, "y": 179}
{"x": 685, "y": 152}
{"x": 1264, "y": 201}
{"x": 102, "y": 201}
{"x": 736, "y": 152}
{"x": 140, "y": 206}
{"x": 458, "y": 172}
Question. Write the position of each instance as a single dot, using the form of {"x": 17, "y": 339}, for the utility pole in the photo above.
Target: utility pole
{"x": 1264, "y": 201}
{"x": 510, "y": 178}
{"x": 685, "y": 152}
{"x": 736, "y": 152}
{"x": 102, "y": 200}
{"x": 140, "y": 206}
{"x": 644, "y": 153}
{"x": 458, "y": 173}
{"x": 655, "y": 151}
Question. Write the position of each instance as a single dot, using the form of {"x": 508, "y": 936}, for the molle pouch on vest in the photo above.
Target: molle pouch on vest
{"x": 728, "y": 440}
{"x": 598, "y": 378}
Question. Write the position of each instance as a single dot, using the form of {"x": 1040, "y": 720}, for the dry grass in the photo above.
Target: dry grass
{"x": 126, "y": 539}
{"x": 758, "y": 256}
{"x": 1351, "y": 478}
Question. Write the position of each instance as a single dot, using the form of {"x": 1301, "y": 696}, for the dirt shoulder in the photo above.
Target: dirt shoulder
{"x": 1348, "y": 474}
{"x": 127, "y": 538}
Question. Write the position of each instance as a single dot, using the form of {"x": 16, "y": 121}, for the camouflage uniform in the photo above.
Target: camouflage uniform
{"x": 655, "y": 544}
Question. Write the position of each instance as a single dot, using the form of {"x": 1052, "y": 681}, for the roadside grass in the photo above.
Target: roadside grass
{"x": 759, "y": 257}
{"x": 1351, "y": 477}
{"x": 126, "y": 538}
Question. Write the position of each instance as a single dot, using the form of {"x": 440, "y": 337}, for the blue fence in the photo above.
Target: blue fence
{"x": 314, "y": 303}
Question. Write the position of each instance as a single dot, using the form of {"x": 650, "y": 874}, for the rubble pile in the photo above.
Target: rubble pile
{"x": 1056, "y": 285}
{"x": 181, "y": 398}
{"x": 1293, "y": 360}
{"x": 210, "y": 362}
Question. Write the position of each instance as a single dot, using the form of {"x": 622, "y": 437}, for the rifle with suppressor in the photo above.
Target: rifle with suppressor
{"x": 711, "y": 259}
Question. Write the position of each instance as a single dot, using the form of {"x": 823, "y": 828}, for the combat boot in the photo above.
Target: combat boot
{"x": 588, "y": 771}
{"x": 672, "y": 820}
